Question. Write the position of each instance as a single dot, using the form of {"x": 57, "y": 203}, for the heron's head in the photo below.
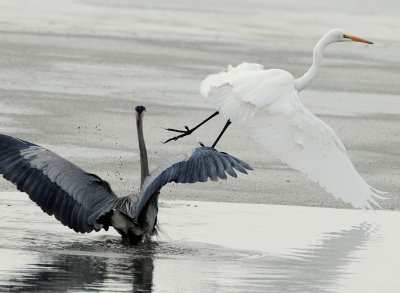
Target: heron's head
{"x": 142, "y": 226}
{"x": 140, "y": 109}
{"x": 140, "y": 233}
{"x": 337, "y": 35}
{"x": 140, "y": 230}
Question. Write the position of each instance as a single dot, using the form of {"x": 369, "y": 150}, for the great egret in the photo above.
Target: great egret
{"x": 268, "y": 100}
{"x": 84, "y": 202}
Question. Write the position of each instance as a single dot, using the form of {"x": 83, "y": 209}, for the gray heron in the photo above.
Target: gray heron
{"x": 268, "y": 101}
{"x": 84, "y": 202}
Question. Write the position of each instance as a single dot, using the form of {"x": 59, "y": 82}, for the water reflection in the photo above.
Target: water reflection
{"x": 79, "y": 270}
{"x": 315, "y": 269}
{"x": 136, "y": 269}
{"x": 60, "y": 273}
{"x": 44, "y": 258}
{"x": 114, "y": 267}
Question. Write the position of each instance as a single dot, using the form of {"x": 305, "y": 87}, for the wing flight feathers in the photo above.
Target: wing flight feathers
{"x": 58, "y": 186}
{"x": 195, "y": 166}
{"x": 300, "y": 139}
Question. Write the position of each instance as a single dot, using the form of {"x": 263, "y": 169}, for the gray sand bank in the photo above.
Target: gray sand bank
{"x": 71, "y": 84}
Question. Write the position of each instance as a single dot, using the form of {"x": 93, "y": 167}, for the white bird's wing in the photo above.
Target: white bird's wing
{"x": 239, "y": 91}
{"x": 300, "y": 139}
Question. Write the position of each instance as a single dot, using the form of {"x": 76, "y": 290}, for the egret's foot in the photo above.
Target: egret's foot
{"x": 177, "y": 130}
{"x": 184, "y": 133}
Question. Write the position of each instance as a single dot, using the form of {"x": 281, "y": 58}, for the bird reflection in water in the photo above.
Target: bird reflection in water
{"x": 112, "y": 267}
{"x": 85, "y": 271}
{"x": 314, "y": 269}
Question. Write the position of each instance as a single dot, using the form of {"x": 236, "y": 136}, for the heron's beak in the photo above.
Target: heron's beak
{"x": 140, "y": 109}
{"x": 357, "y": 39}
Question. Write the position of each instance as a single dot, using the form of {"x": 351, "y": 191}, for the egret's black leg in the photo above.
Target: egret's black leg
{"x": 222, "y": 132}
{"x": 188, "y": 131}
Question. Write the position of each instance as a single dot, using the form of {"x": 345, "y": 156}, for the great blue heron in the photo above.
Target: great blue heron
{"x": 268, "y": 100}
{"x": 84, "y": 202}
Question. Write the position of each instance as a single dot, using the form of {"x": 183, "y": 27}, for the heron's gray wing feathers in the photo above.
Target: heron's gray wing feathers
{"x": 58, "y": 186}
{"x": 195, "y": 166}
{"x": 124, "y": 204}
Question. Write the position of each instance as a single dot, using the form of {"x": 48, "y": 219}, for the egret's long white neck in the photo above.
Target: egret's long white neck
{"x": 318, "y": 52}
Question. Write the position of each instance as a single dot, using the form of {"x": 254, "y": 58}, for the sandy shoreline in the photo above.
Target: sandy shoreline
{"x": 74, "y": 91}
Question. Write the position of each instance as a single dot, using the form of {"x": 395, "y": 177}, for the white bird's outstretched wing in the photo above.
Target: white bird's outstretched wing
{"x": 238, "y": 92}
{"x": 300, "y": 139}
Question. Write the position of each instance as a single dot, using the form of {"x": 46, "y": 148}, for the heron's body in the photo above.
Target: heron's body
{"x": 268, "y": 101}
{"x": 84, "y": 202}
{"x": 123, "y": 224}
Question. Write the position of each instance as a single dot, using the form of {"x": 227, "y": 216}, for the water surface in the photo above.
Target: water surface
{"x": 204, "y": 247}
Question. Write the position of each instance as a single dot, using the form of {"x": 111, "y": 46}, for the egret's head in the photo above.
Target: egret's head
{"x": 337, "y": 35}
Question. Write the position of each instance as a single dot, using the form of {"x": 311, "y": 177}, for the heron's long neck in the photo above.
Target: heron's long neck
{"x": 144, "y": 165}
{"x": 306, "y": 79}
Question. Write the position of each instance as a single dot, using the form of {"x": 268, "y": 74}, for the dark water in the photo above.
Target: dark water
{"x": 289, "y": 254}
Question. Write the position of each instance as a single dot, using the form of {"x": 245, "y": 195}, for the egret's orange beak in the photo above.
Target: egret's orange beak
{"x": 357, "y": 39}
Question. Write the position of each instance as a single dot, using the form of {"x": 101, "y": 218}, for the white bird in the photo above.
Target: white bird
{"x": 268, "y": 101}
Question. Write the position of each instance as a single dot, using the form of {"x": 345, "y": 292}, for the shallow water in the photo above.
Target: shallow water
{"x": 204, "y": 247}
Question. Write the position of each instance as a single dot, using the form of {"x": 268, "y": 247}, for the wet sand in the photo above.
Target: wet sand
{"x": 70, "y": 80}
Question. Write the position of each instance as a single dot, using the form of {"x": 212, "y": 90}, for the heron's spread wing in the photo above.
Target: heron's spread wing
{"x": 195, "y": 166}
{"x": 55, "y": 184}
{"x": 297, "y": 137}
{"x": 240, "y": 90}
